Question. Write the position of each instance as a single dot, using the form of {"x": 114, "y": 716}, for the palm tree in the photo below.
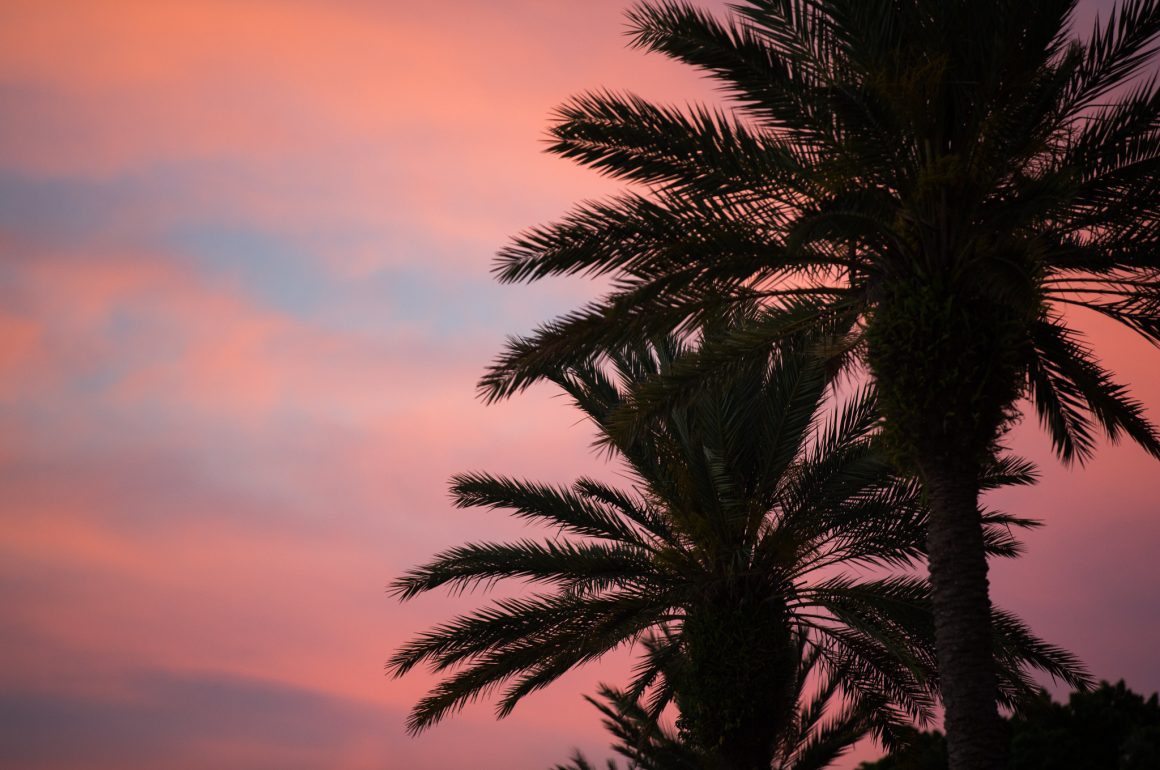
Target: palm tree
{"x": 720, "y": 561}
{"x": 954, "y": 178}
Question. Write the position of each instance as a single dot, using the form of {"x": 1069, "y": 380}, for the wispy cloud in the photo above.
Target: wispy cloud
{"x": 244, "y": 300}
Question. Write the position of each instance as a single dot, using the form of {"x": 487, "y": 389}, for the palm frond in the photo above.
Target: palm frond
{"x": 1068, "y": 385}
{"x": 698, "y": 150}
{"x": 575, "y": 512}
{"x": 576, "y": 567}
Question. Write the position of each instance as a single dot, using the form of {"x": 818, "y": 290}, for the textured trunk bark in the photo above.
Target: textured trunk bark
{"x": 735, "y": 692}
{"x": 750, "y": 751}
{"x": 948, "y": 360}
{"x": 962, "y": 614}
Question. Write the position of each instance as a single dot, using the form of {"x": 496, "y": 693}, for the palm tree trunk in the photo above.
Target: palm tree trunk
{"x": 947, "y": 361}
{"x": 962, "y": 614}
{"x": 736, "y": 691}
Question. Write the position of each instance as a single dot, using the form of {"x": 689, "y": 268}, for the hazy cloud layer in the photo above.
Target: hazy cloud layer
{"x": 244, "y": 301}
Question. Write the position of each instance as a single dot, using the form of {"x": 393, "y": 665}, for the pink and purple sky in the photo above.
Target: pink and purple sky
{"x": 244, "y": 301}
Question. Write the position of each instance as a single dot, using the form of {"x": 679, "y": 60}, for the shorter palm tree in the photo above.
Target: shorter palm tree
{"x": 722, "y": 561}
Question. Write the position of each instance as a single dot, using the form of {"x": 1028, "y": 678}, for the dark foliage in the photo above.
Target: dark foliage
{"x": 1110, "y": 728}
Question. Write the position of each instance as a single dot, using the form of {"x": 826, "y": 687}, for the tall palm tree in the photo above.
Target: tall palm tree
{"x": 721, "y": 561}
{"x": 953, "y": 177}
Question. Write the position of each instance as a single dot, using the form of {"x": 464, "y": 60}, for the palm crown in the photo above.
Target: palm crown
{"x": 874, "y": 146}
{"x": 947, "y": 179}
{"x": 721, "y": 560}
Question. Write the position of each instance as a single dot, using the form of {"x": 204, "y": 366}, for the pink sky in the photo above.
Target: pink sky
{"x": 244, "y": 300}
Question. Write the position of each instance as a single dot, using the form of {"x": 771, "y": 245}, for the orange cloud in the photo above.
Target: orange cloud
{"x": 307, "y": 117}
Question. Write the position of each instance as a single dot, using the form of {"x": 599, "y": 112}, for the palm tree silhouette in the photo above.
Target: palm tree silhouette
{"x": 724, "y": 561}
{"x": 951, "y": 177}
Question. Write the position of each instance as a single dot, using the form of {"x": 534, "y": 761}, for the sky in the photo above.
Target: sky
{"x": 244, "y": 302}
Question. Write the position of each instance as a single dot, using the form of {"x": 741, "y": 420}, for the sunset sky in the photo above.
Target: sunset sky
{"x": 244, "y": 302}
